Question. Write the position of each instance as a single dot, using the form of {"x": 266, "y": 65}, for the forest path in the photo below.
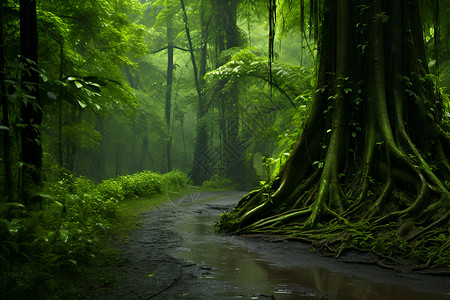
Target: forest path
{"x": 175, "y": 254}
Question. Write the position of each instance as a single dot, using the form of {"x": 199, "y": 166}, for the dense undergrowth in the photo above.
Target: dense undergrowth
{"x": 65, "y": 234}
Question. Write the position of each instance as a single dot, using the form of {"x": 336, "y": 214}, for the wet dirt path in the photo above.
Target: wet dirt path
{"x": 175, "y": 254}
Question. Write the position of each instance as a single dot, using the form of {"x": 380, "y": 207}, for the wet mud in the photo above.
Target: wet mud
{"x": 176, "y": 254}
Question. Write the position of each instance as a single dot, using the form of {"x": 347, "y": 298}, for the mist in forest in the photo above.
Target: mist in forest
{"x": 334, "y": 114}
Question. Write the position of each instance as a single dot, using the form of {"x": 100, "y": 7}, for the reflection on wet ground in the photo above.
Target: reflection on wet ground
{"x": 247, "y": 275}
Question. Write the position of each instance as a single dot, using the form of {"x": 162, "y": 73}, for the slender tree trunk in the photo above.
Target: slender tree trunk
{"x": 169, "y": 96}
{"x": 99, "y": 156}
{"x": 201, "y": 167}
{"x": 71, "y": 147}
{"x": 5, "y": 116}
{"x": 143, "y": 153}
{"x": 118, "y": 159}
{"x": 181, "y": 118}
{"x": 31, "y": 114}
{"x": 60, "y": 107}
{"x": 60, "y": 137}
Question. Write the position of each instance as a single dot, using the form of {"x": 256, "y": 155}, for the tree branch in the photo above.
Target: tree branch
{"x": 175, "y": 47}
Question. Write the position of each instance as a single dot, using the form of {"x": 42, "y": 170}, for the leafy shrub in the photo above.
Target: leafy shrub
{"x": 174, "y": 180}
{"x": 218, "y": 182}
{"x": 111, "y": 189}
{"x": 141, "y": 184}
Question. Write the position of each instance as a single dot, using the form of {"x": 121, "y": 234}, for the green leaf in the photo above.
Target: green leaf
{"x": 82, "y": 104}
{"x": 64, "y": 235}
{"x": 53, "y": 258}
{"x": 4, "y": 221}
{"x": 319, "y": 164}
{"x": 78, "y": 84}
{"x": 93, "y": 84}
{"x": 73, "y": 261}
{"x": 16, "y": 204}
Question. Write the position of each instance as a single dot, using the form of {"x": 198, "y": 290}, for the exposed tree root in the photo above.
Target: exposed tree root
{"x": 433, "y": 225}
{"x": 384, "y": 187}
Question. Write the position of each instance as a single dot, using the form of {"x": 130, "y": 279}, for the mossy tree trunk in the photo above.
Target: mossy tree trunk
{"x": 373, "y": 150}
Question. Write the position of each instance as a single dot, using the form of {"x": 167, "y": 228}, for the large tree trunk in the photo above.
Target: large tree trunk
{"x": 31, "y": 110}
{"x": 366, "y": 153}
{"x": 232, "y": 150}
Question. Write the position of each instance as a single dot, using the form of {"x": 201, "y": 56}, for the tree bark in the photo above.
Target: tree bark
{"x": 5, "y": 116}
{"x": 31, "y": 110}
{"x": 373, "y": 134}
{"x": 201, "y": 169}
{"x": 98, "y": 158}
{"x": 232, "y": 150}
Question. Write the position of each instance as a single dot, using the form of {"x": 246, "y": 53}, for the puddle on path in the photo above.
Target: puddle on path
{"x": 247, "y": 275}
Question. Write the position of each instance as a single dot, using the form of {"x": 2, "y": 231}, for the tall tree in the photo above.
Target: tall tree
{"x": 168, "y": 107}
{"x": 31, "y": 109}
{"x": 227, "y": 37}
{"x": 201, "y": 169}
{"x": 373, "y": 150}
{"x": 167, "y": 17}
{"x": 5, "y": 114}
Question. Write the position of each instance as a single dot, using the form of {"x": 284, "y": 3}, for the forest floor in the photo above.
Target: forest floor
{"x": 175, "y": 254}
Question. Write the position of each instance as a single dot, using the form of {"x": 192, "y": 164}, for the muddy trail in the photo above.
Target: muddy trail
{"x": 175, "y": 254}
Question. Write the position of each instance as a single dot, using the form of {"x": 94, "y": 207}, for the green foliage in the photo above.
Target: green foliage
{"x": 82, "y": 134}
{"x": 65, "y": 233}
{"x": 174, "y": 181}
{"x": 227, "y": 220}
{"x": 385, "y": 240}
{"x": 249, "y": 62}
{"x": 217, "y": 182}
{"x": 142, "y": 184}
{"x": 125, "y": 187}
